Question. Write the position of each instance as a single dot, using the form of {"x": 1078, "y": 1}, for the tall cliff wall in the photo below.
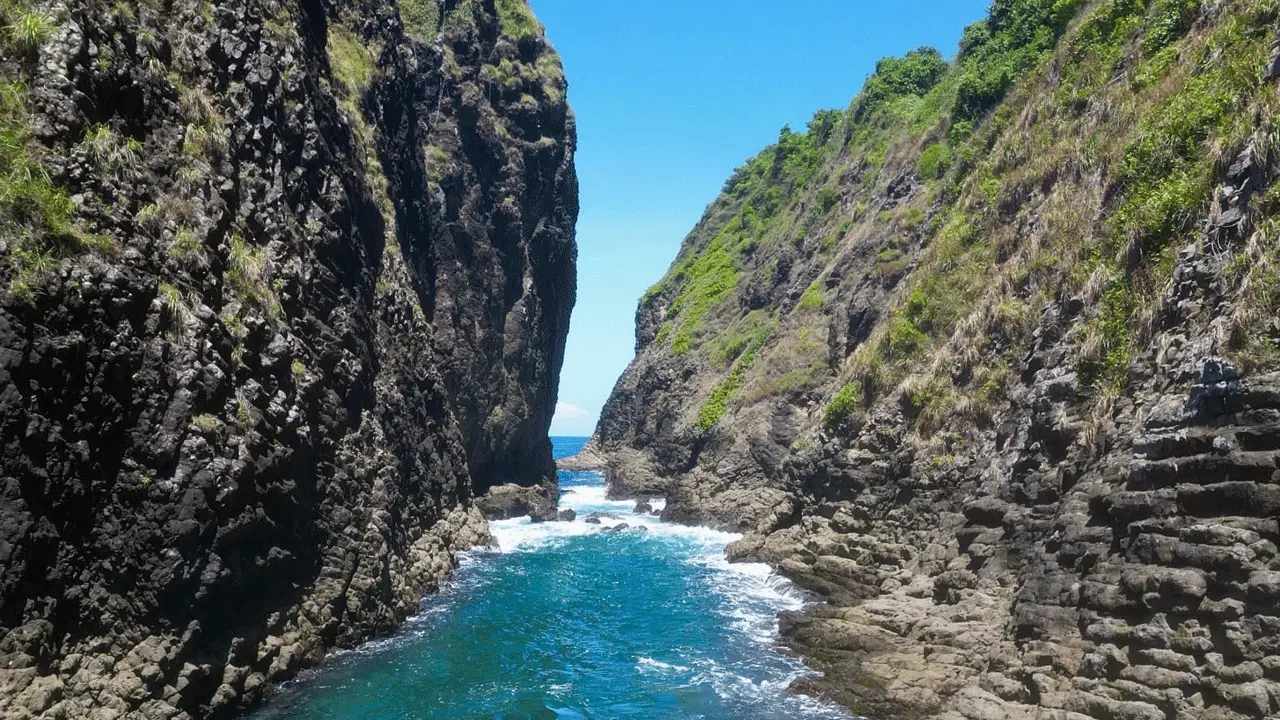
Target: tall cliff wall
{"x": 988, "y": 360}
{"x": 285, "y": 285}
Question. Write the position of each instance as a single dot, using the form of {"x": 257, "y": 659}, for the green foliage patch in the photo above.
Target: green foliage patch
{"x": 934, "y": 161}
{"x": 421, "y": 18}
{"x": 842, "y": 407}
{"x": 997, "y": 51}
{"x": 710, "y": 278}
{"x": 718, "y": 402}
{"x": 36, "y": 216}
{"x": 517, "y": 19}
{"x": 912, "y": 75}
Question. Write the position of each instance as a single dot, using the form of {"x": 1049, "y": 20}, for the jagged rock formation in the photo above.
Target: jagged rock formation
{"x": 988, "y": 361}
{"x": 285, "y": 286}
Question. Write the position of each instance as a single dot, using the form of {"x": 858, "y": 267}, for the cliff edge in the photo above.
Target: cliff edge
{"x": 988, "y": 361}
{"x": 285, "y": 287}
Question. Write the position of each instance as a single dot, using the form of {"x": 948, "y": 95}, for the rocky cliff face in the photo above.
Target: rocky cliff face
{"x": 988, "y": 361}
{"x": 286, "y": 285}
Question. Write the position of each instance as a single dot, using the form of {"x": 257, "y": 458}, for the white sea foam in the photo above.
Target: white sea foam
{"x": 522, "y": 535}
{"x": 592, "y": 498}
{"x": 752, "y": 594}
{"x": 648, "y": 664}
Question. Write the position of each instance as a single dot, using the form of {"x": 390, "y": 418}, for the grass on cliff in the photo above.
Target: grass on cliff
{"x": 37, "y": 218}
{"x": 517, "y": 19}
{"x": 1148, "y": 171}
{"x": 24, "y": 29}
{"x": 723, "y": 393}
{"x": 421, "y": 18}
{"x": 753, "y": 209}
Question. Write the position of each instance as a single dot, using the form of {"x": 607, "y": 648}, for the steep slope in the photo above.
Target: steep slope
{"x": 989, "y": 361}
{"x": 285, "y": 285}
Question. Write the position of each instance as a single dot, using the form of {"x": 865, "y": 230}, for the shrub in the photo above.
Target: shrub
{"x": 915, "y": 74}
{"x": 842, "y": 407}
{"x": 995, "y": 52}
{"x": 827, "y": 199}
{"x": 1168, "y": 21}
{"x": 421, "y": 18}
{"x": 934, "y": 161}
{"x": 824, "y": 124}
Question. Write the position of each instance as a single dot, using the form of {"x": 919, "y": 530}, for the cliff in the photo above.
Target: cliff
{"x": 988, "y": 361}
{"x": 285, "y": 286}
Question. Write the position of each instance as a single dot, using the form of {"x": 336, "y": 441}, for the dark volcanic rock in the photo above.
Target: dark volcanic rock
{"x": 511, "y": 501}
{"x": 327, "y": 293}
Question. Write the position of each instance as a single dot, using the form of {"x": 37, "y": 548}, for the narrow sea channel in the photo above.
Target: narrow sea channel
{"x": 569, "y": 620}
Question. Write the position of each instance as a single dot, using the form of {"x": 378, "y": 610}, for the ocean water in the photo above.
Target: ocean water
{"x": 567, "y": 621}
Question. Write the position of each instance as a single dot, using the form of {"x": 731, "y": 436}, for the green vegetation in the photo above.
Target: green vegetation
{"x": 421, "y": 18}
{"x": 915, "y": 74}
{"x": 246, "y": 277}
{"x": 812, "y": 299}
{"x": 708, "y": 279}
{"x": 25, "y": 30}
{"x": 517, "y": 19}
{"x": 351, "y": 61}
{"x": 718, "y": 402}
{"x": 36, "y": 216}
{"x": 842, "y": 407}
{"x": 297, "y": 369}
{"x": 205, "y": 423}
{"x": 173, "y": 310}
{"x": 934, "y": 161}
{"x": 740, "y": 335}
{"x": 996, "y": 52}
{"x": 438, "y": 162}
{"x": 1104, "y": 361}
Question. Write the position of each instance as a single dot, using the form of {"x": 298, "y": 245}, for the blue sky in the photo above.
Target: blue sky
{"x": 671, "y": 96}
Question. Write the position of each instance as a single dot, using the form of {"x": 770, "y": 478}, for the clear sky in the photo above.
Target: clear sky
{"x": 671, "y": 96}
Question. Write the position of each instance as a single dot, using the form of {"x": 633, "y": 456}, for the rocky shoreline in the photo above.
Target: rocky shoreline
{"x": 1033, "y": 472}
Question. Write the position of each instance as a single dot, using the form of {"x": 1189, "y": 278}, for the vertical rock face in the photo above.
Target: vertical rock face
{"x": 286, "y": 285}
{"x": 988, "y": 360}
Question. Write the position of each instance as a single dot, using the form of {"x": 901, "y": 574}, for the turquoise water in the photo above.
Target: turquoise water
{"x": 566, "y": 621}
